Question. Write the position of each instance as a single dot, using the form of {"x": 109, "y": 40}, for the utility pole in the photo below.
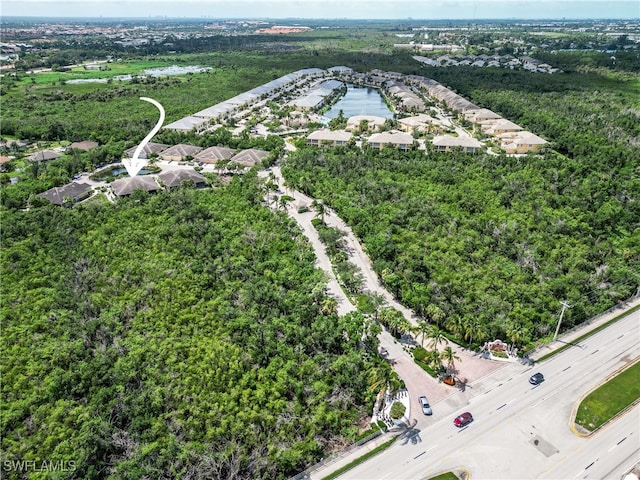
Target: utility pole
{"x": 565, "y": 305}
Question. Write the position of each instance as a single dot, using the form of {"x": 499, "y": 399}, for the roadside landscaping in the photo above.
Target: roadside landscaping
{"x": 608, "y": 400}
{"x": 445, "y": 476}
{"x": 360, "y": 460}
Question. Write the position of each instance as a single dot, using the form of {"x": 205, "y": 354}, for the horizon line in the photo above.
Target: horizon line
{"x": 172, "y": 17}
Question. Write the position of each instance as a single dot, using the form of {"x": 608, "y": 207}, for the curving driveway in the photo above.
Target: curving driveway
{"x": 417, "y": 381}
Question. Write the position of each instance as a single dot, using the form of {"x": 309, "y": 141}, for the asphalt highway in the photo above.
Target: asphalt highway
{"x": 521, "y": 431}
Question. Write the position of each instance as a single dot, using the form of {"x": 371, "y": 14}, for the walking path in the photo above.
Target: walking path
{"x": 418, "y": 382}
{"x": 481, "y": 374}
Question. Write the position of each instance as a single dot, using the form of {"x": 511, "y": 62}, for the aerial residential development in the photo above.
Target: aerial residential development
{"x": 365, "y": 248}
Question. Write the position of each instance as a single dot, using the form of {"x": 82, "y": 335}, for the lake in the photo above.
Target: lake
{"x": 360, "y": 101}
{"x": 152, "y": 72}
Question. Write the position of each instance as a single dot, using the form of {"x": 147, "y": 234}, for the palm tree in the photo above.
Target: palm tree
{"x": 437, "y": 337}
{"x": 404, "y": 325}
{"x": 434, "y": 313}
{"x": 394, "y": 320}
{"x": 517, "y": 333}
{"x": 383, "y": 379}
{"x": 422, "y": 330}
{"x": 379, "y": 377}
{"x": 378, "y": 301}
{"x": 320, "y": 208}
{"x": 473, "y": 327}
{"x": 456, "y": 326}
{"x": 449, "y": 357}
{"x": 285, "y": 200}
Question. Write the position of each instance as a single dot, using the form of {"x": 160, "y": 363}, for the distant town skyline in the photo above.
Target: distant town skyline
{"x": 327, "y": 9}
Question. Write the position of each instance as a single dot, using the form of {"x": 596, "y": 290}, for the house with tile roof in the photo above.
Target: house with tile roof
{"x": 448, "y": 143}
{"x": 174, "y": 178}
{"x": 521, "y": 142}
{"x": 85, "y": 145}
{"x": 214, "y": 154}
{"x": 400, "y": 140}
{"x": 126, "y": 186}
{"x": 480, "y": 115}
{"x": 373, "y": 122}
{"x": 44, "y": 156}
{"x": 421, "y": 123}
{"x": 329, "y": 138}
{"x": 249, "y": 157}
{"x": 497, "y": 126}
{"x": 74, "y": 191}
{"x": 148, "y": 150}
{"x": 180, "y": 152}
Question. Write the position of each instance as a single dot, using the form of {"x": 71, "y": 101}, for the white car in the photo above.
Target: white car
{"x": 424, "y": 403}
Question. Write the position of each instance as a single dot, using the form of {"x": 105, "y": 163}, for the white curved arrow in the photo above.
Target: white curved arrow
{"x": 134, "y": 165}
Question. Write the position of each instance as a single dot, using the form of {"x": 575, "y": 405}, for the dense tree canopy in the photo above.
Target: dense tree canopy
{"x": 171, "y": 334}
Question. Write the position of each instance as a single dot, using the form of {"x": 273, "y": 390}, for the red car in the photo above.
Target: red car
{"x": 463, "y": 419}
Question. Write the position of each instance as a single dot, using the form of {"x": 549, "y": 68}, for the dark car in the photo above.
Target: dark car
{"x": 536, "y": 379}
{"x": 424, "y": 403}
{"x": 463, "y": 419}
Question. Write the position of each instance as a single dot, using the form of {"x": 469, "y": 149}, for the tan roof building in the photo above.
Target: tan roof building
{"x": 214, "y": 154}
{"x": 480, "y": 115}
{"x": 149, "y": 149}
{"x": 401, "y": 140}
{"x": 187, "y": 124}
{"x": 85, "y": 145}
{"x": 373, "y": 122}
{"x": 44, "y": 156}
{"x": 75, "y": 191}
{"x": 126, "y": 186}
{"x": 498, "y": 126}
{"x": 447, "y": 143}
{"x": 174, "y": 178}
{"x": 521, "y": 142}
{"x": 329, "y": 138}
{"x": 418, "y": 123}
{"x": 250, "y": 157}
{"x": 180, "y": 152}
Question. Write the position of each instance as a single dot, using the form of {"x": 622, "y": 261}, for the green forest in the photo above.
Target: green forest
{"x": 172, "y": 334}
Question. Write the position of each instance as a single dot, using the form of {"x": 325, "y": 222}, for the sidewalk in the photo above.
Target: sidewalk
{"x": 489, "y": 381}
{"x": 341, "y": 461}
{"x": 571, "y": 335}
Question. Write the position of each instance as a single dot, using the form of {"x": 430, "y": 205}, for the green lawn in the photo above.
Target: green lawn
{"x": 445, "y": 476}
{"x": 360, "y": 460}
{"x": 609, "y": 399}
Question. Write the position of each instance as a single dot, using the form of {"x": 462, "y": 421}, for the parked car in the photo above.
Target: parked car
{"x": 463, "y": 419}
{"x": 536, "y": 379}
{"x": 424, "y": 403}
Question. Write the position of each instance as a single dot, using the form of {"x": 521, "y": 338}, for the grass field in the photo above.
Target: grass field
{"x": 611, "y": 398}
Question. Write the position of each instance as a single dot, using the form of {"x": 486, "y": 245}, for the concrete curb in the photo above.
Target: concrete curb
{"x": 462, "y": 473}
{"x": 580, "y": 431}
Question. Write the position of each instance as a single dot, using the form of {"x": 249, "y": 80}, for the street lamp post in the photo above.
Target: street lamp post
{"x": 565, "y": 305}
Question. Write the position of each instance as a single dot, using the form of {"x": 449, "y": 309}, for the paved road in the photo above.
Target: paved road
{"x": 523, "y": 432}
{"x": 417, "y": 381}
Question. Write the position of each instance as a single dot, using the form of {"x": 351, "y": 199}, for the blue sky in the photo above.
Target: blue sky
{"x": 330, "y": 9}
